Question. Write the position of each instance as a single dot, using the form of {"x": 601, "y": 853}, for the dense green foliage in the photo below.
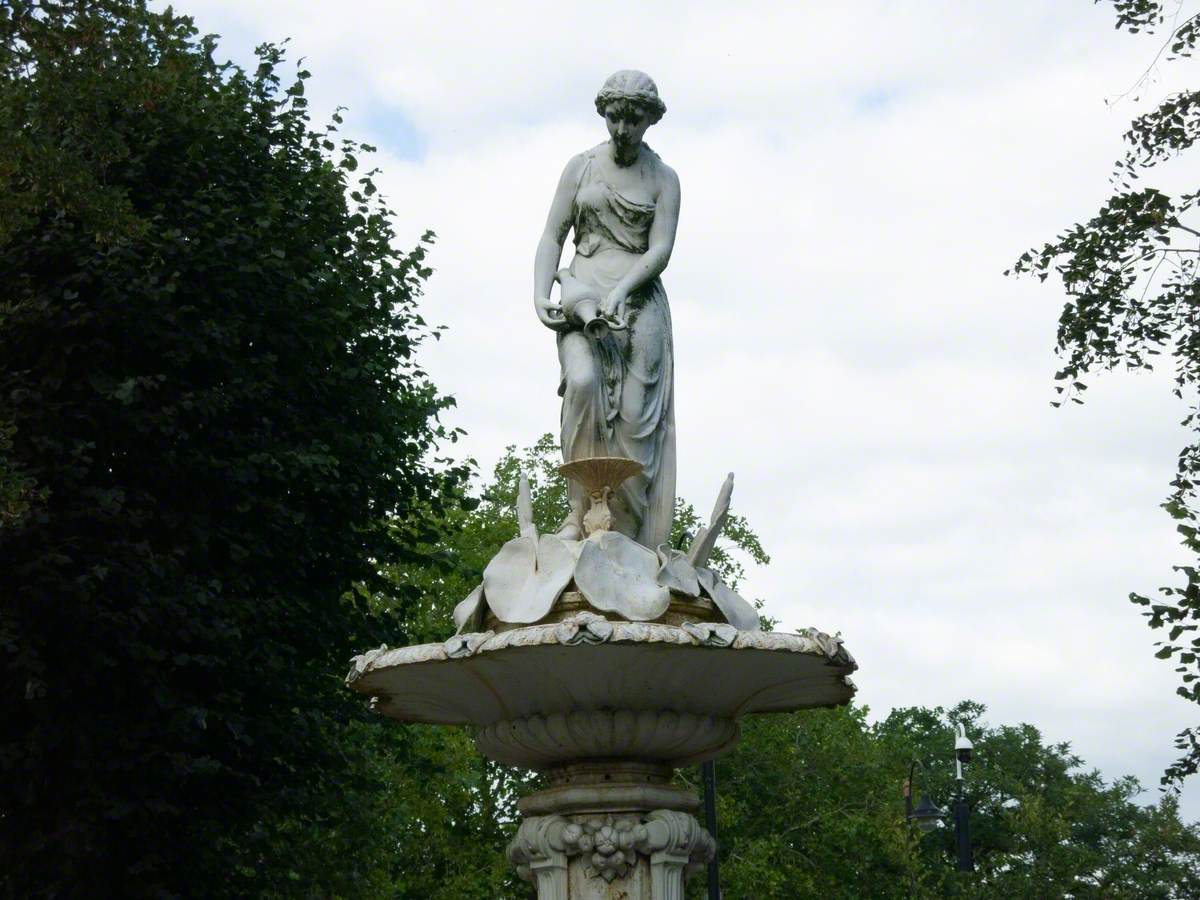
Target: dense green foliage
{"x": 810, "y": 806}
{"x": 1131, "y": 279}
{"x": 210, "y": 408}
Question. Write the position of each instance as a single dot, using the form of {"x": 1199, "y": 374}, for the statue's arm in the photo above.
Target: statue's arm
{"x": 661, "y": 242}
{"x": 549, "y": 249}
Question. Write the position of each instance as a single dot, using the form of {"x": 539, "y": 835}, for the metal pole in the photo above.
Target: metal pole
{"x": 962, "y": 827}
{"x": 908, "y": 786}
{"x": 708, "y": 771}
{"x": 962, "y": 835}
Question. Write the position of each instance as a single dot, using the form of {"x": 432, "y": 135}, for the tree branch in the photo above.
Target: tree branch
{"x": 1142, "y": 79}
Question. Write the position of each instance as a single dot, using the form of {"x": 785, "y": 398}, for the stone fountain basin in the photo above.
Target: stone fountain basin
{"x": 587, "y": 688}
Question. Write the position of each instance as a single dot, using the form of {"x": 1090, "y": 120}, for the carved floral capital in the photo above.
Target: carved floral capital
{"x": 610, "y": 844}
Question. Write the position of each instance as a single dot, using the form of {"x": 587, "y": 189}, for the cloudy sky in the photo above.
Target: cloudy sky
{"x": 856, "y": 177}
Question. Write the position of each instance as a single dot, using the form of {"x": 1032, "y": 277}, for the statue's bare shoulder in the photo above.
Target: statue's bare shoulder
{"x": 575, "y": 165}
{"x": 667, "y": 178}
{"x": 666, "y": 181}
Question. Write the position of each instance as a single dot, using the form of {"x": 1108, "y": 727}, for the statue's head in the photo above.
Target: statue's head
{"x": 631, "y": 88}
{"x": 630, "y": 104}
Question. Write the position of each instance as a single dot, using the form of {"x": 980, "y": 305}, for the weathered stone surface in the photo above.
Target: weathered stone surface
{"x": 563, "y": 685}
{"x": 610, "y": 829}
{"x": 676, "y": 573}
{"x": 530, "y": 576}
{"x": 469, "y": 613}
{"x": 525, "y": 577}
{"x": 617, "y": 358}
{"x": 737, "y": 612}
{"x": 682, "y": 738}
{"x": 634, "y": 855}
{"x": 616, "y": 574}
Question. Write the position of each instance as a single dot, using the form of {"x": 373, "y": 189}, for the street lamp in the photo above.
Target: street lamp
{"x": 927, "y": 816}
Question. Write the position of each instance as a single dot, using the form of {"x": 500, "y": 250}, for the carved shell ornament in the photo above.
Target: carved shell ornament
{"x": 600, "y": 472}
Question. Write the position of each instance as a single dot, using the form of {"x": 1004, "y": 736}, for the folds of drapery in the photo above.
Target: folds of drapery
{"x": 618, "y": 399}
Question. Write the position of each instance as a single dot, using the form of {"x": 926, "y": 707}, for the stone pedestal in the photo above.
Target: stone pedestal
{"x": 610, "y": 829}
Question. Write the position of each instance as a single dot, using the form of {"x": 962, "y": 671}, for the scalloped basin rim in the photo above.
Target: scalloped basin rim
{"x": 545, "y": 670}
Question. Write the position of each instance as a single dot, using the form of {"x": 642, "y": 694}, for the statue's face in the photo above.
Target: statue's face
{"x": 627, "y": 125}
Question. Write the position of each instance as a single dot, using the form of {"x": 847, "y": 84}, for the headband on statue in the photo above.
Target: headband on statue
{"x": 631, "y": 86}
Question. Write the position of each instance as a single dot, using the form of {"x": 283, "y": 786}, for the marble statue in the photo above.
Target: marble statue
{"x": 612, "y": 321}
{"x": 613, "y": 328}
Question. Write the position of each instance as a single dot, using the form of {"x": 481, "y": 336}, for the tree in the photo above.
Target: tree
{"x": 211, "y": 409}
{"x": 810, "y": 806}
{"x": 1042, "y": 824}
{"x": 1131, "y": 278}
{"x": 18, "y": 491}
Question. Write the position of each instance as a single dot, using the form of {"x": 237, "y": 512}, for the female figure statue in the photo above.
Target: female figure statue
{"x": 622, "y": 202}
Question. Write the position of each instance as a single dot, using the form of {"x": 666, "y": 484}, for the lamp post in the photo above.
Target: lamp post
{"x": 962, "y": 825}
{"x": 927, "y": 816}
{"x": 709, "y": 771}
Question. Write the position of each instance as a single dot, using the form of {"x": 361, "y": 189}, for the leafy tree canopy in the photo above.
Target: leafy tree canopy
{"x": 1131, "y": 278}
{"x": 210, "y": 406}
{"x": 810, "y": 805}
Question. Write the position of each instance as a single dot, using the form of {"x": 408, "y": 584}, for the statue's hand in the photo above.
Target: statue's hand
{"x": 612, "y": 307}
{"x": 549, "y": 313}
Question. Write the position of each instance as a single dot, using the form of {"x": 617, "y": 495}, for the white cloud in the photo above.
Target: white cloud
{"x": 855, "y": 180}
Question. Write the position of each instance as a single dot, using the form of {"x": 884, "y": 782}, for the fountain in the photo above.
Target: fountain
{"x": 601, "y": 655}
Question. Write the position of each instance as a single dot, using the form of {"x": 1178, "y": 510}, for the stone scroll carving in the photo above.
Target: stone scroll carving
{"x": 540, "y": 855}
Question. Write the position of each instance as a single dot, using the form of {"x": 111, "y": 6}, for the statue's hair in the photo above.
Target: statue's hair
{"x": 635, "y": 88}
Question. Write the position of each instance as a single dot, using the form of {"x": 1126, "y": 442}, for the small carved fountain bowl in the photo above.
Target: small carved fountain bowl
{"x": 598, "y": 472}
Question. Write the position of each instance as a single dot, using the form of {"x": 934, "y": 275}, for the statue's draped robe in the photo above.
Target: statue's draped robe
{"x": 618, "y": 392}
